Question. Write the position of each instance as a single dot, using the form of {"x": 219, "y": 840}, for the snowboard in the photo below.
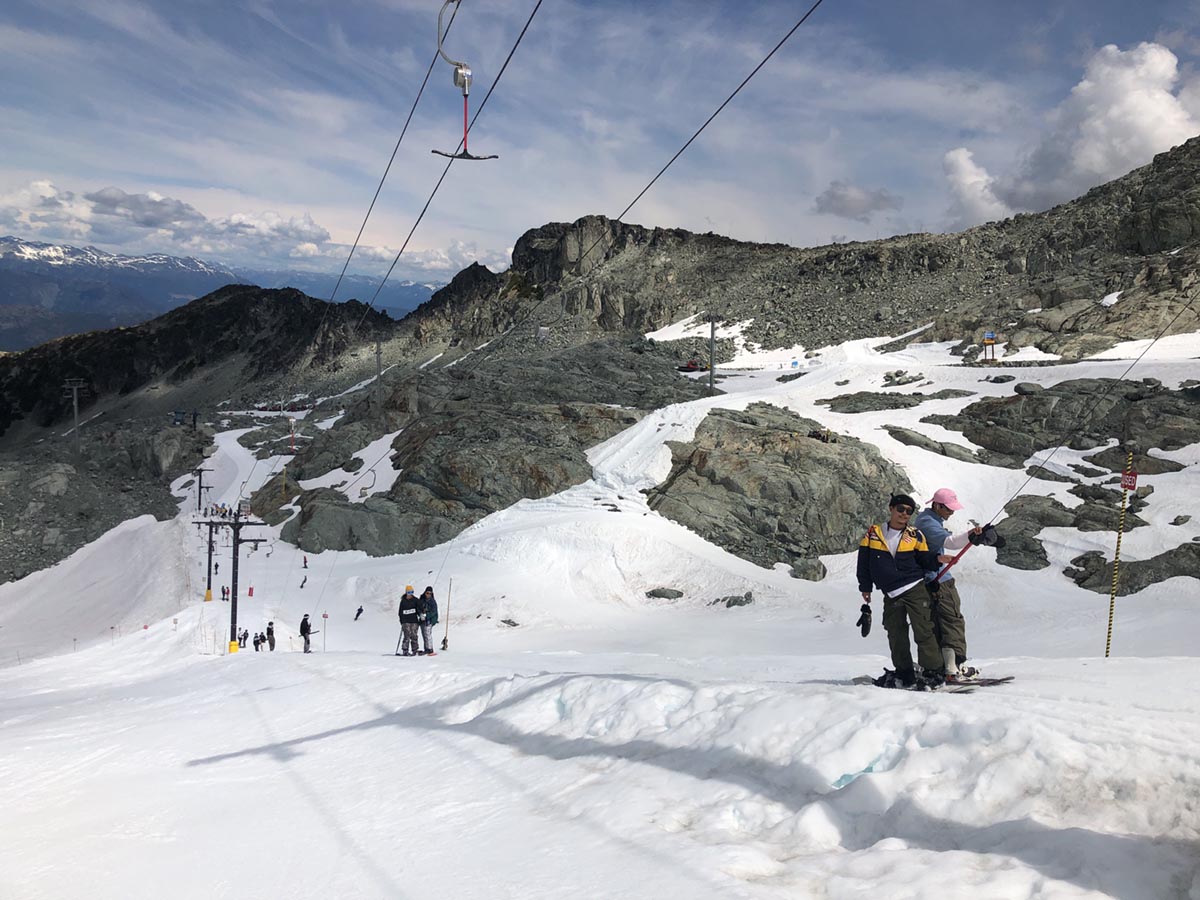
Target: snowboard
{"x": 951, "y": 687}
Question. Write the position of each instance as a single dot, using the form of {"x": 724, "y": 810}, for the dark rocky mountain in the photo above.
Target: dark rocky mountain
{"x": 549, "y": 359}
{"x": 49, "y": 291}
{"x": 1037, "y": 280}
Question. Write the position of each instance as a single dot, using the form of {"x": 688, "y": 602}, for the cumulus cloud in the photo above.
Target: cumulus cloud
{"x": 150, "y": 210}
{"x": 973, "y": 190}
{"x": 1129, "y": 106}
{"x": 849, "y": 201}
{"x": 41, "y": 208}
{"x": 456, "y": 257}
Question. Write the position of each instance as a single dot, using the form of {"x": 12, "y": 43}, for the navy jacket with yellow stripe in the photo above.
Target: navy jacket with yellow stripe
{"x": 877, "y": 566}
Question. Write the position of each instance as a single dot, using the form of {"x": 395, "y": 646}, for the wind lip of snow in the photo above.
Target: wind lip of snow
{"x": 357, "y": 387}
{"x": 1170, "y": 347}
{"x": 432, "y": 360}
{"x": 1025, "y": 354}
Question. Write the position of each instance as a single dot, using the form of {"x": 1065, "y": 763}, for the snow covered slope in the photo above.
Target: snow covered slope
{"x": 607, "y": 744}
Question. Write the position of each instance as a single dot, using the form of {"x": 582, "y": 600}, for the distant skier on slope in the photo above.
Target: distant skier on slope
{"x": 357, "y": 614}
{"x": 305, "y": 631}
{"x": 409, "y": 614}
{"x": 271, "y": 636}
{"x": 431, "y": 618}
{"x": 895, "y": 557}
{"x": 948, "y": 623}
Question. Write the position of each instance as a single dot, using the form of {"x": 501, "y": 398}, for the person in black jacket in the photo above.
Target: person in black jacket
{"x": 430, "y": 613}
{"x": 410, "y": 620}
{"x": 894, "y": 557}
{"x": 271, "y": 636}
{"x": 305, "y": 631}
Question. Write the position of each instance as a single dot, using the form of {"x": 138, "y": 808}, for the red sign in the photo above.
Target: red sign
{"x": 324, "y": 615}
{"x": 1129, "y": 481}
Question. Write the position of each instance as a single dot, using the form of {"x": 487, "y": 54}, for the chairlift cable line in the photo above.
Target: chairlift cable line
{"x": 487, "y": 96}
{"x": 447, "y": 171}
{"x": 386, "y": 171}
{"x": 529, "y": 314}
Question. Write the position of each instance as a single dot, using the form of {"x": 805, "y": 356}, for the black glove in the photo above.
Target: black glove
{"x": 864, "y": 620}
{"x": 989, "y": 537}
{"x": 933, "y": 587}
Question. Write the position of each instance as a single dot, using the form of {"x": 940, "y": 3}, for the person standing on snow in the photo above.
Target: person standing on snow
{"x": 895, "y": 557}
{"x": 430, "y": 619}
{"x": 357, "y": 614}
{"x": 305, "y": 631}
{"x": 948, "y": 623}
{"x": 271, "y": 636}
{"x": 410, "y": 613}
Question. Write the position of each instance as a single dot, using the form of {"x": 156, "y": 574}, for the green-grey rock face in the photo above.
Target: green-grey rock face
{"x": 1094, "y": 572}
{"x": 1094, "y": 411}
{"x": 755, "y": 484}
{"x": 479, "y": 442}
{"x": 867, "y": 401}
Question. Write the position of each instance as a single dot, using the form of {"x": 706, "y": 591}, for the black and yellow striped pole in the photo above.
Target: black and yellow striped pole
{"x": 1128, "y": 480}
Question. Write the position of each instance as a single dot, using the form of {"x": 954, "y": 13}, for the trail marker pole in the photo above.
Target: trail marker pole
{"x": 1128, "y": 483}
{"x": 446, "y": 637}
{"x": 73, "y": 386}
{"x": 324, "y": 630}
{"x": 712, "y": 352}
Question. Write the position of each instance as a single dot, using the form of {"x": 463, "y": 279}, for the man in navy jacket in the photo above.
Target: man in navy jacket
{"x": 894, "y": 557}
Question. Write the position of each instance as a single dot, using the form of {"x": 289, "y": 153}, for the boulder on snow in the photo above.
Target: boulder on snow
{"x": 755, "y": 484}
{"x": 734, "y": 600}
{"x": 809, "y": 569}
{"x": 663, "y": 593}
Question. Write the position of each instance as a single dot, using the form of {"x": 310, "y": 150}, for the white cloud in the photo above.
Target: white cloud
{"x": 305, "y": 251}
{"x": 975, "y": 200}
{"x": 1128, "y": 107}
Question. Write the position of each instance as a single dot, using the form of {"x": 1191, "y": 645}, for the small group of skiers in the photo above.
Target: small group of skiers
{"x": 908, "y": 559}
{"x": 218, "y": 510}
{"x": 261, "y": 640}
{"x": 417, "y": 614}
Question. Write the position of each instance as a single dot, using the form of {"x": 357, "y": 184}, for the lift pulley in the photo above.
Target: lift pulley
{"x": 462, "y": 79}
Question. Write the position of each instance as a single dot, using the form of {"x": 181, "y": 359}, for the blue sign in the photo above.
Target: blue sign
{"x": 795, "y": 363}
{"x": 989, "y": 335}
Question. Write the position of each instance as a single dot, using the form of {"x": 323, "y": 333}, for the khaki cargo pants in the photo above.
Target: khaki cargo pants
{"x": 948, "y": 622}
{"x": 912, "y": 605}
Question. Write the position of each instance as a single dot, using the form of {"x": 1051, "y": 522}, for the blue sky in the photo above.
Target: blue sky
{"x": 255, "y": 133}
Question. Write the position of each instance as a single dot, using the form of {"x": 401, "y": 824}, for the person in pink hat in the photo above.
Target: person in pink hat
{"x": 948, "y": 623}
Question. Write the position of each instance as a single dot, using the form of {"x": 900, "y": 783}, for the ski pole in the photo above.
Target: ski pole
{"x": 446, "y": 637}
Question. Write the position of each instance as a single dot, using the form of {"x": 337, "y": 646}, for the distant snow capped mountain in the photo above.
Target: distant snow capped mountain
{"x": 61, "y": 255}
{"x": 51, "y": 290}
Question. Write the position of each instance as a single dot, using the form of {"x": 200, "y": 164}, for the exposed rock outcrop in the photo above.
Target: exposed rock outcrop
{"x": 867, "y": 401}
{"x": 1091, "y": 412}
{"x": 755, "y": 484}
